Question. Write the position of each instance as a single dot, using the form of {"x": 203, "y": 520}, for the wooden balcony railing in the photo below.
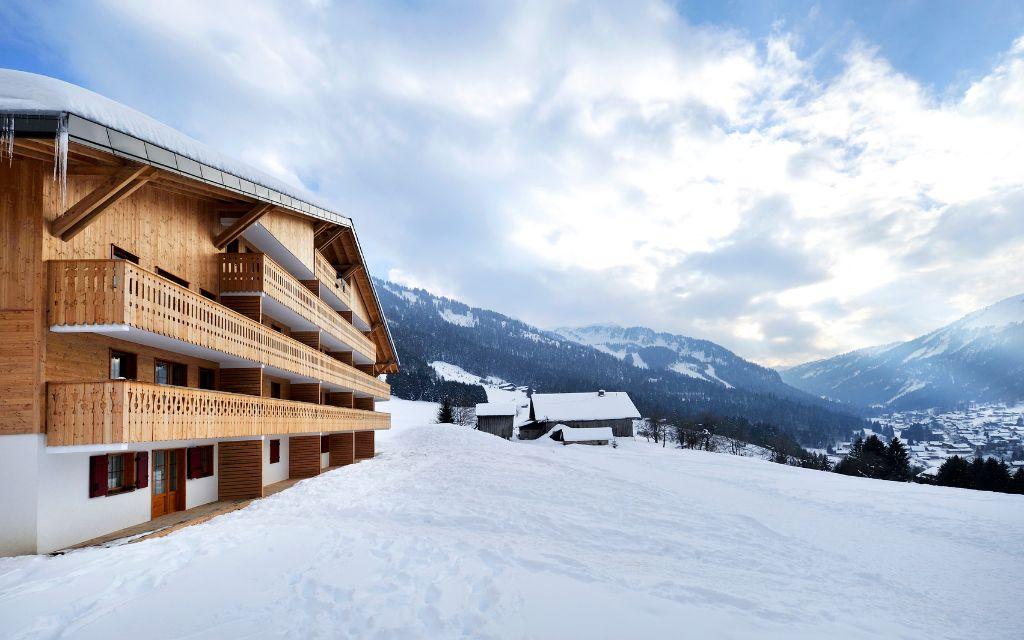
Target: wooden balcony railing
{"x": 328, "y": 275}
{"x": 80, "y": 413}
{"x": 116, "y": 292}
{"x": 256, "y": 272}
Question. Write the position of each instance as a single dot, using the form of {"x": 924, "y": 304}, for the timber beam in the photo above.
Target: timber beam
{"x": 240, "y": 225}
{"x": 114, "y": 189}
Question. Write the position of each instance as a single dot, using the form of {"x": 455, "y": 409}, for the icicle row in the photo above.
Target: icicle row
{"x": 7, "y": 138}
{"x": 60, "y": 160}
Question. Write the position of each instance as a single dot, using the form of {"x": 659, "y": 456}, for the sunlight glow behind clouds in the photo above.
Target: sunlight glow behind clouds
{"x": 569, "y": 164}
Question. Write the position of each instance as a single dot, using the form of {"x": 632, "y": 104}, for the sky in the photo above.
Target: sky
{"x": 791, "y": 180}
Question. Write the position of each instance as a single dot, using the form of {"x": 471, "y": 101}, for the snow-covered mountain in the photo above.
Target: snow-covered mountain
{"x": 700, "y": 359}
{"x": 978, "y": 358}
{"x": 449, "y": 349}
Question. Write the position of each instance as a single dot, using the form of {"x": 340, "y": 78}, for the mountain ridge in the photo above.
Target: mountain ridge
{"x": 977, "y": 358}
{"x": 487, "y": 344}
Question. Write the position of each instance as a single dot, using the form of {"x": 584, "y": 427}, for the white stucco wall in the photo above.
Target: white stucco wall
{"x": 18, "y": 492}
{"x": 325, "y": 460}
{"x": 67, "y": 515}
{"x": 278, "y": 471}
{"x": 202, "y": 490}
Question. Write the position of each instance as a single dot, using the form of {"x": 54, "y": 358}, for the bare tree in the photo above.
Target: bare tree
{"x": 465, "y": 416}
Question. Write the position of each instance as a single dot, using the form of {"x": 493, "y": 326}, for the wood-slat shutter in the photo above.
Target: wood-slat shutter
{"x": 142, "y": 469}
{"x": 195, "y": 462}
{"x": 97, "y": 476}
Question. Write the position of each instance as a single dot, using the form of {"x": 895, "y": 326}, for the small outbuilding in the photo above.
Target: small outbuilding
{"x": 589, "y": 410}
{"x": 583, "y": 435}
{"x": 496, "y": 418}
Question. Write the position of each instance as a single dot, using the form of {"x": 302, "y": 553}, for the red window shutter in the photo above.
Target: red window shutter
{"x": 194, "y": 462}
{"x": 97, "y": 476}
{"x": 142, "y": 469}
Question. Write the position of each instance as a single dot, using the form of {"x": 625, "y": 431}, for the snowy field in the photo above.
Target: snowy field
{"x": 452, "y": 533}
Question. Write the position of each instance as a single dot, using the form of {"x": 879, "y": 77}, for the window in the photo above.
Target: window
{"x": 208, "y": 294}
{"x": 173, "y": 278}
{"x": 275, "y": 451}
{"x": 275, "y": 390}
{"x": 117, "y": 253}
{"x": 113, "y": 473}
{"x": 172, "y": 373}
{"x": 123, "y": 365}
{"x": 200, "y": 462}
{"x": 325, "y": 444}
{"x": 233, "y": 247}
{"x": 207, "y": 379}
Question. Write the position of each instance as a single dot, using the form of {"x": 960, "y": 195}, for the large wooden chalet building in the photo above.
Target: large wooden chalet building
{"x": 176, "y": 328}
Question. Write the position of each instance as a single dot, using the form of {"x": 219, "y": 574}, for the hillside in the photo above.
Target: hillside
{"x": 430, "y": 329}
{"x": 700, "y": 359}
{"x": 454, "y": 533}
{"x": 979, "y": 358}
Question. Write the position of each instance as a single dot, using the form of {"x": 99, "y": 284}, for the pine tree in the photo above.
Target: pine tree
{"x": 874, "y": 463}
{"x": 954, "y": 472}
{"x": 444, "y": 413}
{"x": 1018, "y": 481}
{"x": 897, "y": 461}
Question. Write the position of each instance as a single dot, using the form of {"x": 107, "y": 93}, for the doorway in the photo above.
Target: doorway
{"x": 168, "y": 481}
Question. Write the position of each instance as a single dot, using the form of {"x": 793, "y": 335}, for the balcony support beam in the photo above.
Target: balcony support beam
{"x": 240, "y": 225}
{"x": 114, "y": 189}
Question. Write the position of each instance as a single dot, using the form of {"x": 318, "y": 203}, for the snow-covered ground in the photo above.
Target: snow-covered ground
{"x": 451, "y": 532}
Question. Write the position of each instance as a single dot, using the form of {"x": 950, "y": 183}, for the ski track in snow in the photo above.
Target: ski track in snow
{"x": 450, "y": 532}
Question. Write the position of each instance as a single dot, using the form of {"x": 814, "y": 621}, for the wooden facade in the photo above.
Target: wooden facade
{"x": 621, "y": 428}
{"x": 157, "y": 305}
{"x": 500, "y": 426}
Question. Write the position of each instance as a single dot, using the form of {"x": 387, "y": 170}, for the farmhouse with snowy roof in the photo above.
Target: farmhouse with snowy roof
{"x": 178, "y": 328}
{"x": 612, "y": 409}
{"x": 496, "y": 418}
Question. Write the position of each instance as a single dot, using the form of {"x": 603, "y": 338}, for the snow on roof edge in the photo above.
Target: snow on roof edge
{"x": 30, "y": 94}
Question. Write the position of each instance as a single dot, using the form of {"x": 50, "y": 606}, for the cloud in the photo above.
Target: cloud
{"x": 569, "y": 163}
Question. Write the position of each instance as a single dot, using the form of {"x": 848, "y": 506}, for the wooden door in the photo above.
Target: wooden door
{"x": 168, "y": 481}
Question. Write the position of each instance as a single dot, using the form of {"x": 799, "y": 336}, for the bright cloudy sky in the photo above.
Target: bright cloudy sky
{"x": 787, "y": 179}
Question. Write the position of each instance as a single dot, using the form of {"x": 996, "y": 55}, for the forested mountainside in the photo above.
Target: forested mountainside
{"x": 429, "y": 328}
{"x": 979, "y": 358}
{"x": 700, "y": 359}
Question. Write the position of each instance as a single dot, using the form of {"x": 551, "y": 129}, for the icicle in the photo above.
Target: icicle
{"x": 7, "y": 138}
{"x": 60, "y": 159}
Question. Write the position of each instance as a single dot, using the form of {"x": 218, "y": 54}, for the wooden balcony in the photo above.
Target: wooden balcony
{"x": 258, "y": 273}
{"x": 328, "y": 276}
{"x": 113, "y": 412}
{"x": 116, "y": 296}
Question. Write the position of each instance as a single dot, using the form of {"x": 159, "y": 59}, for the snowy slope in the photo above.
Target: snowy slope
{"x": 977, "y": 358}
{"x": 451, "y": 532}
{"x": 692, "y": 357}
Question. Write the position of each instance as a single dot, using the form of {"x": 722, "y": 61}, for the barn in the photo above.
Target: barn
{"x": 496, "y": 418}
{"x": 593, "y": 409}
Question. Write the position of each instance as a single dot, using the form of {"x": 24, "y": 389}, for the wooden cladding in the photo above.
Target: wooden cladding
{"x": 340, "y": 399}
{"x": 366, "y": 404}
{"x": 328, "y": 275}
{"x": 248, "y": 381}
{"x": 115, "y": 292}
{"x": 363, "y": 444}
{"x": 305, "y": 392}
{"x": 303, "y": 456}
{"x": 255, "y": 272}
{"x": 342, "y": 449}
{"x": 249, "y": 306}
{"x": 125, "y": 411}
{"x": 240, "y": 469}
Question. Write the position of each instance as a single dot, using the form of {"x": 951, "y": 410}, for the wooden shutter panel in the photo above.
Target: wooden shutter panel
{"x": 194, "y": 463}
{"x": 142, "y": 469}
{"x": 97, "y": 476}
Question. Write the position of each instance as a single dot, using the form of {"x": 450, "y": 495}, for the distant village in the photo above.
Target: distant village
{"x": 986, "y": 430}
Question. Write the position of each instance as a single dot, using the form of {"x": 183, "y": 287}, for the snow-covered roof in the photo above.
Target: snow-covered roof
{"x": 102, "y": 123}
{"x": 496, "y": 409}
{"x": 612, "y": 405}
{"x": 583, "y": 434}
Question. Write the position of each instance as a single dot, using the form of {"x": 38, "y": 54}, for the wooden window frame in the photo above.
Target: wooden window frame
{"x": 176, "y": 279}
{"x": 213, "y": 378}
{"x": 275, "y": 451}
{"x": 276, "y": 390}
{"x": 133, "y": 359}
{"x": 117, "y": 253}
{"x": 173, "y": 367}
{"x": 199, "y": 462}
